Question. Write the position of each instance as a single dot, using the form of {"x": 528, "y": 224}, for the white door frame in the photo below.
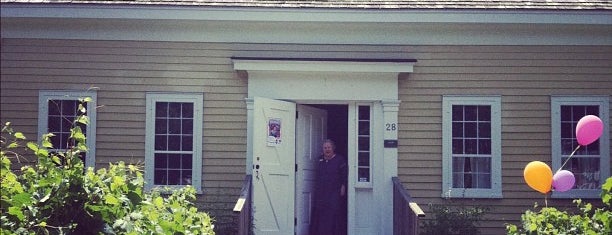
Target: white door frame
{"x": 340, "y": 82}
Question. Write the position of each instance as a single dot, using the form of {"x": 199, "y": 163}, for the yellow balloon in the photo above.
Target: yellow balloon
{"x": 538, "y": 176}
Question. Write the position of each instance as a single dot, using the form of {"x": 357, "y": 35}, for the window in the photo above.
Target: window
{"x": 363, "y": 144}
{"x": 57, "y": 112}
{"x": 591, "y": 163}
{"x": 173, "y": 155}
{"x": 471, "y": 146}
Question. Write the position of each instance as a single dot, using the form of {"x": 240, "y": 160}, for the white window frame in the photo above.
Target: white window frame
{"x": 604, "y": 148}
{"x": 197, "y": 99}
{"x": 447, "y": 152}
{"x": 43, "y": 116}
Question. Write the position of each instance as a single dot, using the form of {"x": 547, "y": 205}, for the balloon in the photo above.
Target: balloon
{"x": 563, "y": 180}
{"x": 538, "y": 176}
{"x": 588, "y": 129}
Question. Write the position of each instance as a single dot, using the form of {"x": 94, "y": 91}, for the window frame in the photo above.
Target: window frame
{"x": 197, "y": 99}
{"x": 447, "y": 155}
{"x": 43, "y": 117}
{"x": 604, "y": 148}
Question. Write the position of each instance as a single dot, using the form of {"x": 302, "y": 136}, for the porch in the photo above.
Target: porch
{"x": 406, "y": 212}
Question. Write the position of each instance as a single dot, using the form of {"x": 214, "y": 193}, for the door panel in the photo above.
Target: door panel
{"x": 273, "y": 166}
{"x": 310, "y": 134}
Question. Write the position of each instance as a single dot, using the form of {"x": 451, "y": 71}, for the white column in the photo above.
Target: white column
{"x": 390, "y": 125}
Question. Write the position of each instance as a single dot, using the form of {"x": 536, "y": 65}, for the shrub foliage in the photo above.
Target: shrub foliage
{"x": 57, "y": 195}
{"x": 550, "y": 220}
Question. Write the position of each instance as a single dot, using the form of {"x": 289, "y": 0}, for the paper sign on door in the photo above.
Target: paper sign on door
{"x": 274, "y": 132}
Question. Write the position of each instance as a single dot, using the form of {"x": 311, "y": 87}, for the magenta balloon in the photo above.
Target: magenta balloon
{"x": 563, "y": 181}
{"x": 588, "y": 129}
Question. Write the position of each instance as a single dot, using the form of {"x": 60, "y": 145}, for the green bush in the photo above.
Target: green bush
{"x": 454, "y": 219}
{"x": 58, "y": 196}
{"x": 550, "y": 220}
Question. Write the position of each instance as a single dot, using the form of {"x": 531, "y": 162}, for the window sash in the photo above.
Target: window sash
{"x": 174, "y": 134}
{"x": 591, "y": 163}
{"x": 57, "y": 111}
{"x": 471, "y": 146}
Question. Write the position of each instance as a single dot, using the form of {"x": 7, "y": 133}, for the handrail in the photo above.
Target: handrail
{"x": 406, "y": 213}
{"x": 243, "y": 207}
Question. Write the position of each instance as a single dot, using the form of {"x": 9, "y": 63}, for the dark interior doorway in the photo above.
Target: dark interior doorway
{"x": 337, "y": 130}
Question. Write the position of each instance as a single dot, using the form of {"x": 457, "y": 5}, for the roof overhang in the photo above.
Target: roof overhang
{"x": 317, "y": 26}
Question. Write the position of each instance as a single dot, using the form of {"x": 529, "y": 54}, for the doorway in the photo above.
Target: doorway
{"x": 337, "y": 130}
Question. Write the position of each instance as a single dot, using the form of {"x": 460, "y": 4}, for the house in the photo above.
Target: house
{"x": 452, "y": 97}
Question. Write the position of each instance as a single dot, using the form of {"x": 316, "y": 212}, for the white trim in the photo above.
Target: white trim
{"x": 43, "y": 110}
{"x": 147, "y": 12}
{"x": 496, "y": 168}
{"x": 604, "y": 148}
{"x": 197, "y": 99}
{"x": 323, "y": 66}
{"x": 317, "y": 26}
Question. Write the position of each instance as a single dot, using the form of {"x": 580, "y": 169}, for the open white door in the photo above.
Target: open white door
{"x": 273, "y": 166}
{"x": 311, "y": 132}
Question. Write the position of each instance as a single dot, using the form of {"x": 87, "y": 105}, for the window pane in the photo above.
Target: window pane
{"x": 160, "y": 177}
{"x": 161, "y": 109}
{"x": 187, "y": 127}
{"x": 484, "y": 130}
{"x": 363, "y": 174}
{"x": 187, "y": 144}
{"x": 457, "y": 129}
{"x": 470, "y": 129}
{"x": 364, "y": 112}
{"x": 471, "y": 146}
{"x": 186, "y": 161}
{"x": 54, "y": 124}
{"x": 364, "y": 127}
{"x": 471, "y": 113}
{"x": 161, "y": 142}
{"x": 174, "y": 142}
{"x": 66, "y": 123}
{"x": 577, "y": 112}
{"x": 364, "y": 143}
{"x": 174, "y": 161}
{"x": 586, "y": 171}
{"x": 187, "y": 110}
{"x": 68, "y": 107}
{"x": 174, "y": 177}
{"x": 174, "y": 110}
{"x": 174, "y": 126}
{"x": 364, "y": 159}
{"x": 484, "y": 113}
{"x": 54, "y": 107}
{"x": 484, "y": 146}
{"x": 592, "y": 110}
{"x": 161, "y": 126}
{"x": 567, "y": 130}
{"x": 457, "y": 112}
{"x": 161, "y": 161}
{"x": 566, "y": 113}
{"x": 186, "y": 177}
{"x": 457, "y": 146}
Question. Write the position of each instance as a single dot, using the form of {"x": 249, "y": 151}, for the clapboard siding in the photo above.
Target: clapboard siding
{"x": 123, "y": 71}
{"x": 525, "y": 77}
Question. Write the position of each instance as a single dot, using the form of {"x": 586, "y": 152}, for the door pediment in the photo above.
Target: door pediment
{"x": 323, "y": 78}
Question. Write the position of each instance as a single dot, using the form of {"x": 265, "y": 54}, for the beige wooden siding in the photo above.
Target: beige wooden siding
{"x": 525, "y": 77}
{"x": 124, "y": 71}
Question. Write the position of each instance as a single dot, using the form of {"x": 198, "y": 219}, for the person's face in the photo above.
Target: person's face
{"x": 328, "y": 149}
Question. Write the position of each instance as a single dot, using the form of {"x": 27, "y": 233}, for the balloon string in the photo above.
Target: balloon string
{"x": 571, "y": 155}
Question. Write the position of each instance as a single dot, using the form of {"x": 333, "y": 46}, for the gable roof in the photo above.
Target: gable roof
{"x": 355, "y": 4}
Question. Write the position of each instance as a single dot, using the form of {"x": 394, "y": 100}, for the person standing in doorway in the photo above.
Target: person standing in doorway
{"x": 330, "y": 192}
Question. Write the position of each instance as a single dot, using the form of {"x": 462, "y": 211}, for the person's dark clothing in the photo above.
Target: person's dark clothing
{"x": 327, "y": 214}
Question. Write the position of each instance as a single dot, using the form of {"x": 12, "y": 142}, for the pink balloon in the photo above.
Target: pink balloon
{"x": 563, "y": 181}
{"x": 588, "y": 129}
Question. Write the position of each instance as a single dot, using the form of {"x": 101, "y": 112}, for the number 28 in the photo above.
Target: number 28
{"x": 390, "y": 126}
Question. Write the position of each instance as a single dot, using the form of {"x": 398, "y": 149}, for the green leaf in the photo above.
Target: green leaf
{"x": 20, "y": 136}
{"x": 110, "y": 199}
{"x": 12, "y": 145}
{"x": 32, "y": 146}
{"x": 83, "y": 120}
{"x": 22, "y": 199}
{"x": 158, "y": 202}
{"x": 16, "y": 211}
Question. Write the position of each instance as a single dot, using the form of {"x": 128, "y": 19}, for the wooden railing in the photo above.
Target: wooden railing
{"x": 243, "y": 207}
{"x": 406, "y": 213}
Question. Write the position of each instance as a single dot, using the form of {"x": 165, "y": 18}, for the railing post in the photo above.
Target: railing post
{"x": 406, "y": 213}
{"x": 243, "y": 207}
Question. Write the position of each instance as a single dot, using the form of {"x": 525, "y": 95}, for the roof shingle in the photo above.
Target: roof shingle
{"x": 356, "y": 4}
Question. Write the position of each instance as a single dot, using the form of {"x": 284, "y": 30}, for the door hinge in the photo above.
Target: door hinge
{"x": 294, "y": 221}
{"x": 296, "y": 167}
{"x": 296, "y": 115}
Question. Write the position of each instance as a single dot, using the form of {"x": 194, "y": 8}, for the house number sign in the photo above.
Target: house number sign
{"x": 391, "y": 130}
